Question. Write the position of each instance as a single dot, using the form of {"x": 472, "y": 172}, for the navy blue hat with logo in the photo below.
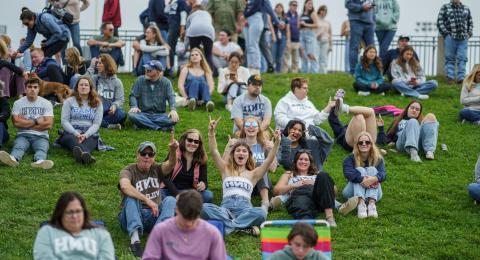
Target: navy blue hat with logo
{"x": 153, "y": 65}
{"x": 255, "y": 79}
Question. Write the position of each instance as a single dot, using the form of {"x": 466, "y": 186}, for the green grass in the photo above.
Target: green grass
{"x": 425, "y": 213}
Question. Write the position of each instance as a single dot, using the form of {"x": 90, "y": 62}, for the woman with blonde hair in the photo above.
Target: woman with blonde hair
{"x": 81, "y": 118}
{"x": 364, "y": 170}
{"x": 153, "y": 47}
{"x": 195, "y": 82}
{"x": 7, "y": 69}
{"x": 76, "y": 66}
{"x": 239, "y": 176}
{"x": 110, "y": 89}
{"x": 470, "y": 96}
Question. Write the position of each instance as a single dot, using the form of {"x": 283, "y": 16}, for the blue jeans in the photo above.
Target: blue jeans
{"x": 3, "y": 134}
{"x": 356, "y": 189}
{"x": 471, "y": 115}
{"x": 23, "y": 142}
{"x": 323, "y": 47}
{"x": 278, "y": 50}
{"x": 347, "y": 55}
{"x": 198, "y": 89}
{"x": 146, "y": 57}
{"x": 474, "y": 191}
{"x": 153, "y": 121}
{"x": 236, "y": 212}
{"x": 116, "y": 54}
{"x": 384, "y": 39}
{"x": 133, "y": 217}
{"x": 75, "y": 33}
{"x": 423, "y": 88}
{"x": 416, "y": 135}
{"x": 254, "y": 31}
{"x": 207, "y": 195}
{"x": 308, "y": 43}
{"x": 455, "y": 54}
{"x": 359, "y": 31}
{"x": 117, "y": 118}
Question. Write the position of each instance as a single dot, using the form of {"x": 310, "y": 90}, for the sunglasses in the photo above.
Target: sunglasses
{"x": 145, "y": 154}
{"x": 32, "y": 86}
{"x": 70, "y": 213}
{"x": 304, "y": 151}
{"x": 251, "y": 124}
{"x": 191, "y": 140}
{"x": 110, "y": 29}
{"x": 364, "y": 143}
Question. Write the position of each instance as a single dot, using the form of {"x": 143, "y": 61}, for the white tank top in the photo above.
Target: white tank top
{"x": 239, "y": 186}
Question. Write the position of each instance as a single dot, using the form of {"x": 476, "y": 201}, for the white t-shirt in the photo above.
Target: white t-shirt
{"x": 32, "y": 110}
{"x": 229, "y": 48}
{"x": 236, "y": 185}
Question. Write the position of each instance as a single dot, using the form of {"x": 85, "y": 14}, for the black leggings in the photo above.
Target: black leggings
{"x": 52, "y": 49}
{"x": 69, "y": 141}
{"x": 305, "y": 201}
{"x": 384, "y": 87}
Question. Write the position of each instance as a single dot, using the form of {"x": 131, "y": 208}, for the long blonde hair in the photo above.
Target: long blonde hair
{"x": 73, "y": 58}
{"x": 374, "y": 155}
{"x": 158, "y": 35}
{"x": 3, "y": 50}
{"x": 261, "y": 137}
{"x": 470, "y": 79}
{"x": 203, "y": 63}
{"x": 232, "y": 166}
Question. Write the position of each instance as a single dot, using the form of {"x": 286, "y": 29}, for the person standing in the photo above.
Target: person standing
{"x": 283, "y": 33}
{"x": 200, "y": 32}
{"x": 324, "y": 38}
{"x": 308, "y": 27}
{"x": 387, "y": 15}
{"x": 362, "y": 24}
{"x": 455, "y": 24}
{"x": 293, "y": 42}
{"x": 111, "y": 13}
{"x": 227, "y": 15}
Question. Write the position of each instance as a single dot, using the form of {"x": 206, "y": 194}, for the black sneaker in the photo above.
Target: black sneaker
{"x": 252, "y": 231}
{"x": 77, "y": 154}
{"x": 87, "y": 158}
{"x": 136, "y": 249}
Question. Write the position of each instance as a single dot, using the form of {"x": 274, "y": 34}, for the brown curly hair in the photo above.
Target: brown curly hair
{"x": 377, "y": 61}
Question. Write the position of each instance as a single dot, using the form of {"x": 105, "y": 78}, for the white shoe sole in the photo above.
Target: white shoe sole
{"x": 6, "y": 159}
{"x": 47, "y": 164}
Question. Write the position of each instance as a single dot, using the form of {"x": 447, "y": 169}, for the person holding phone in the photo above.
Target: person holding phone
{"x": 408, "y": 76}
{"x": 232, "y": 80}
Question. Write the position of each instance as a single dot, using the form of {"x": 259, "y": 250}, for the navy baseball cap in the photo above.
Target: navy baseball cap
{"x": 153, "y": 65}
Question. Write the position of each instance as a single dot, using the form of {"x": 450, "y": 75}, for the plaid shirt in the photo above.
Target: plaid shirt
{"x": 455, "y": 20}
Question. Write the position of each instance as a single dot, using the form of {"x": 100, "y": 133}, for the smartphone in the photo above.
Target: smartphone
{"x": 232, "y": 76}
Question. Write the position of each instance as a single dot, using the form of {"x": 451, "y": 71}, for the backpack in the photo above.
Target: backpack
{"x": 60, "y": 13}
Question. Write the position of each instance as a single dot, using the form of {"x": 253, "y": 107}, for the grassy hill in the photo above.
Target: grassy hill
{"x": 425, "y": 212}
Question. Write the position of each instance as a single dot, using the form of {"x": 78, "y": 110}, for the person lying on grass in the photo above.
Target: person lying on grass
{"x": 239, "y": 176}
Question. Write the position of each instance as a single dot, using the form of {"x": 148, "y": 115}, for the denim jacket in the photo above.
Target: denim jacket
{"x": 356, "y": 12}
{"x": 50, "y": 27}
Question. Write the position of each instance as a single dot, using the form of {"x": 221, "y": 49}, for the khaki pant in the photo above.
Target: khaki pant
{"x": 293, "y": 51}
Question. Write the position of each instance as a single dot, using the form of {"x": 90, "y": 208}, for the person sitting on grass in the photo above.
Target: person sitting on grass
{"x": 142, "y": 204}
{"x": 148, "y": 100}
{"x": 305, "y": 190}
{"x": 81, "y": 118}
{"x": 33, "y": 117}
{"x": 152, "y": 47}
{"x": 474, "y": 188}
{"x": 190, "y": 171}
{"x": 239, "y": 176}
{"x": 107, "y": 43}
{"x": 69, "y": 234}
{"x": 470, "y": 97}
{"x": 368, "y": 74}
{"x": 301, "y": 242}
{"x": 185, "y": 236}
{"x": 75, "y": 66}
{"x": 364, "y": 170}
{"x": 411, "y": 131}
{"x": 195, "y": 82}
{"x": 261, "y": 147}
{"x": 4, "y": 115}
{"x": 110, "y": 89}
{"x": 232, "y": 80}
{"x": 409, "y": 77}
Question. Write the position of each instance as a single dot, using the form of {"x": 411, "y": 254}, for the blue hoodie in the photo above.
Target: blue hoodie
{"x": 351, "y": 174}
{"x": 366, "y": 77}
{"x": 50, "y": 27}
{"x": 41, "y": 70}
{"x": 356, "y": 12}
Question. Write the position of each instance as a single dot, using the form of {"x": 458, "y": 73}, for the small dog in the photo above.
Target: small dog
{"x": 60, "y": 90}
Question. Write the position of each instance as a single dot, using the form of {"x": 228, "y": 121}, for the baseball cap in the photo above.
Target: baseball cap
{"x": 255, "y": 79}
{"x": 145, "y": 145}
{"x": 403, "y": 37}
{"x": 153, "y": 65}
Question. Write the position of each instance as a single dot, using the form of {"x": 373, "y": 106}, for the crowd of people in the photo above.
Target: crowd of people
{"x": 172, "y": 198}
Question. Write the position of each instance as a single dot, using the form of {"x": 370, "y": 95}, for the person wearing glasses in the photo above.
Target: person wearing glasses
{"x": 107, "y": 43}
{"x": 305, "y": 190}
{"x": 364, "y": 170}
{"x": 261, "y": 147}
{"x": 69, "y": 234}
{"x": 190, "y": 171}
{"x": 239, "y": 176}
{"x": 412, "y": 132}
{"x": 33, "y": 117}
{"x": 82, "y": 115}
{"x": 142, "y": 204}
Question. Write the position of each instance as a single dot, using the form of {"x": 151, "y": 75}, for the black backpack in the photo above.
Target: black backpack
{"x": 60, "y": 13}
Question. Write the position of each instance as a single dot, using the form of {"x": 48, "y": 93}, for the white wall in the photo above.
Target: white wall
{"x": 412, "y": 11}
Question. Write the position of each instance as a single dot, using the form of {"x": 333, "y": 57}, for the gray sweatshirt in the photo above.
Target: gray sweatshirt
{"x": 108, "y": 88}
{"x": 81, "y": 119}
{"x": 470, "y": 99}
{"x": 199, "y": 23}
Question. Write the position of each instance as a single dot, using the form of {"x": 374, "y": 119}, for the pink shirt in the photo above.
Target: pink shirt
{"x": 167, "y": 241}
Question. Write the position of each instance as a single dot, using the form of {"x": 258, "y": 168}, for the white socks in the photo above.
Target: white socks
{"x": 135, "y": 237}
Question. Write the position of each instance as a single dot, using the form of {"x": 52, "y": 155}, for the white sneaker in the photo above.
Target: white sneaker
{"x": 192, "y": 104}
{"x": 7, "y": 159}
{"x": 423, "y": 97}
{"x": 275, "y": 203}
{"x": 210, "y": 106}
{"x": 429, "y": 155}
{"x": 382, "y": 94}
{"x": 362, "y": 210}
{"x": 372, "y": 210}
{"x": 44, "y": 164}
{"x": 363, "y": 93}
{"x": 401, "y": 94}
{"x": 115, "y": 126}
{"x": 414, "y": 155}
